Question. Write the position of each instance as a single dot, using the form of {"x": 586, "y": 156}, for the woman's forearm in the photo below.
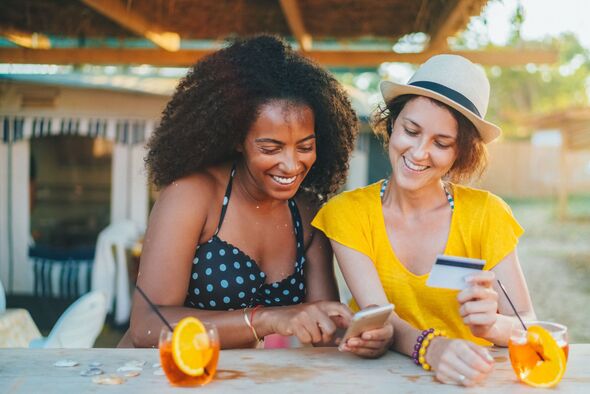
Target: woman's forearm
{"x": 233, "y": 332}
{"x": 499, "y": 334}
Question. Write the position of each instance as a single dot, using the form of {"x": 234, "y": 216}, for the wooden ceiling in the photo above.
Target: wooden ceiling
{"x": 350, "y": 33}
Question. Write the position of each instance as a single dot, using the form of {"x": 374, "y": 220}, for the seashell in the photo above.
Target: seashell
{"x": 65, "y": 363}
{"x": 128, "y": 368}
{"x": 131, "y": 374}
{"x": 159, "y": 372}
{"x": 92, "y": 371}
{"x": 108, "y": 379}
{"x": 135, "y": 363}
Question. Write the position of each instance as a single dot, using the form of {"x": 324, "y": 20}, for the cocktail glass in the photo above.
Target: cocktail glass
{"x": 176, "y": 376}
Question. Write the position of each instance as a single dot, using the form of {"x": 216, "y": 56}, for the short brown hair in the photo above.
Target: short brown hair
{"x": 472, "y": 156}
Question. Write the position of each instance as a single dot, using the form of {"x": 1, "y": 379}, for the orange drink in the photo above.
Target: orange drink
{"x": 539, "y": 355}
{"x": 189, "y": 354}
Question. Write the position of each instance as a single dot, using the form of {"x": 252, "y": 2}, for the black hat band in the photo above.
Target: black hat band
{"x": 449, "y": 93}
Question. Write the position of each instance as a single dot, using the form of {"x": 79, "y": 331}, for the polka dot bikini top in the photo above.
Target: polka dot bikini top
{"x": 225, "y": 278}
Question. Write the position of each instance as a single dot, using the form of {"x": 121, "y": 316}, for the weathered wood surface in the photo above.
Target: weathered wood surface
{"x": 305, "y": 370}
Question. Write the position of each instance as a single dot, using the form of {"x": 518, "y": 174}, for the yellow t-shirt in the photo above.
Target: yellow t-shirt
{"x": 482, "y": 226}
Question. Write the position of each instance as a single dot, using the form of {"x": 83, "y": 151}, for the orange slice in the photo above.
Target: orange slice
{"x": 550, "y": 364}
{"x": 191, "y": 348}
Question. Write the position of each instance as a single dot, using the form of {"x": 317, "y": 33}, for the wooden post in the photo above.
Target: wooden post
{"x": 563, "y": 176}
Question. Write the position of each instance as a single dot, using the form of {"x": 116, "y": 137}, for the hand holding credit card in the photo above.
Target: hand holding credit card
{"x": 449, "y": 272}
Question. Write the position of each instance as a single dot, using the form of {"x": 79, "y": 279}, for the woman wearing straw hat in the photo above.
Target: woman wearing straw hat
{"x": 253, "y": 139}
{"x": 386, "y": 236}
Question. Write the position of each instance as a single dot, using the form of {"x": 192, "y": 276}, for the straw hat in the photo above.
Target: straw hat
{"x": 454, "y": 81}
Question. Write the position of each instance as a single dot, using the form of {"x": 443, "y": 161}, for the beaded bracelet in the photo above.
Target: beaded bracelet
{"x": 421, "y": 346}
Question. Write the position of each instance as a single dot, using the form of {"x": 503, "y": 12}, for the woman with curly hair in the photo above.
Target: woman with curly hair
{"x": 253, "y": 140}
{"x": 387, "y": 235}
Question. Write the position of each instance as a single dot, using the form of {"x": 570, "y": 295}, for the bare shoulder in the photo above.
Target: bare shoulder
{"x": 189, "y": 199}
{"x": 308, "y": 205}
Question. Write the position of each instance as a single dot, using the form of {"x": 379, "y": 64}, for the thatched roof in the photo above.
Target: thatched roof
{"x": 328, "y": 30}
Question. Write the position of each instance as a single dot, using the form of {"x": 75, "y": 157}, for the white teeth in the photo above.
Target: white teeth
{"x": 284, "y": 181}
{"x": 413, "y": 166}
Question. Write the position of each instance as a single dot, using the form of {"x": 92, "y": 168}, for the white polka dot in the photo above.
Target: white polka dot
{"x": 298, "y": 244}
{"x": 224, "y": 284}
{"x": 286, "y": 292}
{"x": 241, "y": 294}
{"x": 197, "y": 291}
{"x": 296, "y": 223}
{"x": 209, "y": 255}
{"x": 267, "y": 291}
{"x": 252, "y": 277}
{"x": 211, "y": 240}
{"x": 248, "y": 264}
{"x": 212, "y": 303}
{"x": 302, "y": 260}
{"x": 209, "y": 288}
{"x": 201, "y": 305}
{"x": 208, "y": 271}
{"x": 195, "y": 275}
{"x": 225, "y": 200}
{"x": 222, "y": 267}
{"x": 295, "y": 299}
{"x": 267, "y": 301}
{"x": 235, "y": 251}
{"x": 236, "y": 265}
{"x": 226, "y": 300}
{"x": 243, "y": 305}
{"x": 253, "y": 290}
{"x": 239, "y": 280}
{"x": 275, "y": 285}
{"x": 221, "y": 252}
{"x": 293, "y": 281}
{"x": 300, "y": 286}
{"x": 196, "y": 260}
{"x": 262, "y": 274}
{"x": 277, "y": 299}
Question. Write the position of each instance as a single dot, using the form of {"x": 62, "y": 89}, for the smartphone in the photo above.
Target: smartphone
{"x": 368, "y": 319}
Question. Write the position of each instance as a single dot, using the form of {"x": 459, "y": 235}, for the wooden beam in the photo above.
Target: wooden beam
{"x": 295, "y": 21}
{"x": 26, "y": 39}
{"x": 130, "y": 20}
{"x": 184, "y": 58}
{"x": 455, "y": 21}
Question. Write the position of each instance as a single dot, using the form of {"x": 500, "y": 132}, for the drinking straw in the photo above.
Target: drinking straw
{"x": 511, "y": 304}
{"x": 155, "y": 308}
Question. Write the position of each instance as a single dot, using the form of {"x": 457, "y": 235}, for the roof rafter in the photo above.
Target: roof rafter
{"x": 294, "y": 19}
{"x": 456, "y": 20}
{"x": 26, "y": 39}
{"x": 185, "y": 58}
{"x": 116, "y": 11}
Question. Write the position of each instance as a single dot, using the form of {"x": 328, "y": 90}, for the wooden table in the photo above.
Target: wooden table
{"x": 306, "y": 370}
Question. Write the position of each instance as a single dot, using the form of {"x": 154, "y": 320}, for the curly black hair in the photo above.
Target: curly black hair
{"x": 215, "y": 105}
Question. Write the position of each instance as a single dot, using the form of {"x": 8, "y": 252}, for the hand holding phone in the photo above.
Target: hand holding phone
{"x": 368, "y": 319}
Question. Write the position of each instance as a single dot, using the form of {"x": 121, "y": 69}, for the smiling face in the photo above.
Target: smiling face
{"x": 423, "y": 144}
{"x": 279, "y": 149}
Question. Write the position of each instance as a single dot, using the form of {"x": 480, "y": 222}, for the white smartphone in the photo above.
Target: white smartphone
{"x": 368, "y": 319}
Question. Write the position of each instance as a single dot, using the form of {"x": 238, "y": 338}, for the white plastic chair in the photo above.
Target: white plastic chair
{"x": 2, "y": 298}
{"x": 78, "y": 326}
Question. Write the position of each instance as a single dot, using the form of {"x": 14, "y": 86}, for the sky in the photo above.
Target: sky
{"x": 542, "y": 18}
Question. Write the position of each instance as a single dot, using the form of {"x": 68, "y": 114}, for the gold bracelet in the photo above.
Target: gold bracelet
{"x": 247, "y": 320}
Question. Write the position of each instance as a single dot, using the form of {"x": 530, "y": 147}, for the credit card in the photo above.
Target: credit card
{"x": 449, "y": 272}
